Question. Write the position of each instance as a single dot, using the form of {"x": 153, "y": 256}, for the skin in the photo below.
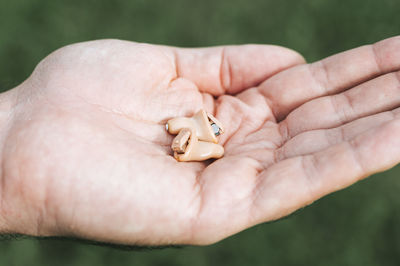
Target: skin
{"x": 85, "y": 152}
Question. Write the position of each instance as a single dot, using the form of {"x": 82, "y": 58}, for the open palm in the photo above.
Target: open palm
{"x": 86, "y": 152}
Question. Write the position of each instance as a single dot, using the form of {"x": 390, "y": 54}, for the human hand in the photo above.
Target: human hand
{"x": 86, "y": 153}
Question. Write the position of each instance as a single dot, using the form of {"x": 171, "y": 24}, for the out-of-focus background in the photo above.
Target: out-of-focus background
{"x": 357, "y": 226}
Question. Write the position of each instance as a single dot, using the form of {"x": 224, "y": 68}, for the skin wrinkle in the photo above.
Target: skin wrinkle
{"x": 2, "y": 184}
{"x": 397, "y": 76}
{"x": 7, "y": 125}
{"x": 376, "y": 58}
{"x": 209, "y": 103}
{"x": 341, "y": 134}
{"x": 276, "y": 142}
{"x": 348, "y": 110}
{"x": 379, "y": 69}
{"x": 226, "y": 142}
{"x": 233, "y": 133}
{"x": 198, "y": 186}
{"x": 264, "y": 120}
{"x": 393, "y": 113}
{"x": 170, "y": 53}
{"x": 111, "y": 111}
{"x": 40, "y": 211}
{"x": 256, "y": 141}
{"x": 4, "y": 167}
{"x": 274, "y": 146}
{"x": 354, "y": 147}
{"x": 225, "y": 75}
{"x": 176, "y": 67}
{"x": 284, "y": 131}
{"x": 321, "y": 82}
{"x": 279, "y": 154}
{"x": 71, "y": 223}
{"x": 21, "y": 190}
{"x": 129, "y": 117}
{"x": 326, "y": 79}
{"x": 155, "y": 144}
{"x": 41, "y": 214}
{"x": 276, "y": 155}
{"x": 216, "y": 103}
{"x": 269, "y": 103}
{"x": 310, "y": 193}
{"x": 340, "y": 113}
{"x": 259, "y": 159}
{"x": 334, "y": 136}
{"x": 255, "y": 191}
{"x": 310, "y": 169}
{"x": 149, "y": 142}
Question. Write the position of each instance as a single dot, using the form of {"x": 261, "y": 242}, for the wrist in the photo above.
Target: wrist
{"x": 7, "y": 104}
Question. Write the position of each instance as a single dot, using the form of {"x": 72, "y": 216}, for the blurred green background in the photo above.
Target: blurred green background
{"x": 357, "y": 226}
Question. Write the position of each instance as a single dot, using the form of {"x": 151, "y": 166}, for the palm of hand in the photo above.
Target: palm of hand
{"x": 89, "y": 130}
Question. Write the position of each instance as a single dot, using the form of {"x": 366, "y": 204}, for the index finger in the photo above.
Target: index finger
{"x": 290, "y": 89}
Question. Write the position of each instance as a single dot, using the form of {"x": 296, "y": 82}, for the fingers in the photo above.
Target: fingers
{"x": 296, "y": 182}
{"x": 230, "y": 69}
{"x": 375, "y": 96}
{"x": 317, "y": 140}
{"x": 290, "y": 89}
